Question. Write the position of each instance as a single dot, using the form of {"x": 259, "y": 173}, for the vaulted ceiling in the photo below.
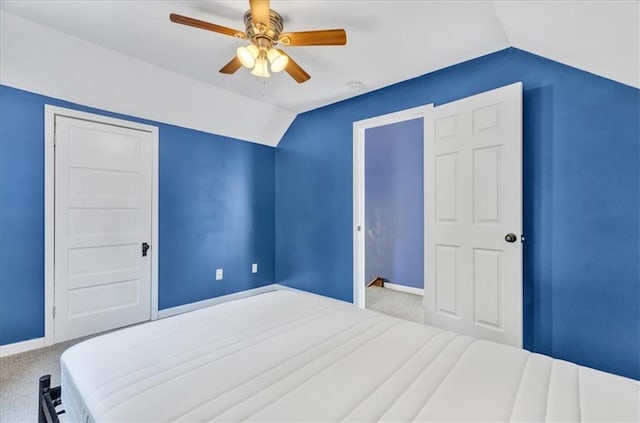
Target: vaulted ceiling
{"x": 388, "y": 41}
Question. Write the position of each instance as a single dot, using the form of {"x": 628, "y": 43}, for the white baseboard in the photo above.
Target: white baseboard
{"x": 402, "y": 288}
{"x": 20, "y": 347}
{"x": 167, "y": 312}
{"x": 288, "y": 288}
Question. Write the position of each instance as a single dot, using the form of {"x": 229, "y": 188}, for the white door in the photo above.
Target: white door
{"x": 103, "y": 203}
{"x": 473, "y": 216}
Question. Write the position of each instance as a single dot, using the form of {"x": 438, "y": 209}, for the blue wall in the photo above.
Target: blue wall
{"x": 394, "y": 240}
{"x": 581, "y": 185}
{"x": 216, "y": 210}
{"x": 581, "y": 200}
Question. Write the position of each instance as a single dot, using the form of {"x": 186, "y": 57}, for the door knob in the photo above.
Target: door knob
{"x": 145, "y": 248}
{"x": 510, "y": 237}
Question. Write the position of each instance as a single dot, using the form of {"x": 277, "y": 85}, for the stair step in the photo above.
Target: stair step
{"x": 376, "y": 282}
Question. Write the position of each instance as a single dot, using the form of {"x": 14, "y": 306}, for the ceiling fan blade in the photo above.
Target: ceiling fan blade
{"x": 294, "y": 69}
{"x": 260, "y": 11}
{"x": 232, "y": 66}
{"x": 184, "y": 20}
{"x": 327, "y": 37}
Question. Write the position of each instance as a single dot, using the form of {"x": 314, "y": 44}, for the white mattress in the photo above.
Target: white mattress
{"x": 288, "y": 356}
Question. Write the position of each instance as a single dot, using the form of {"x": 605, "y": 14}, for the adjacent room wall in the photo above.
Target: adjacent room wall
{"x": 581, "y": 200}
{"x": 216, "y": 209}
{"x": 394, "y": 203}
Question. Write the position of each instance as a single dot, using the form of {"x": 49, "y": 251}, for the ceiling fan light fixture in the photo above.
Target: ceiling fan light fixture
{"x": 263, "y": 31}
{"x": 247, "y": 55}
{"x": 278, "y": 60}
{"x": 261, "y": 68}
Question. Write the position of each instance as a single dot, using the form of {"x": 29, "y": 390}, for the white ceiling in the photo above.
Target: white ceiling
{"x": 602, "y": 37}
{"x": 388, "y": 41}
{"x": 41, "y": 60}
{"x": 93, "y": 52}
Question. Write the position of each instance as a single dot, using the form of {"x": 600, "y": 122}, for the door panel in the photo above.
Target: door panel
{"x": 446, "y": 183}
{"x": 473, "y": 198}
{"x": 486, "y": 185}
{"x": 487, "y": 287}
{"x": 103, "y": 222}
{"x": 102, "y": 216}
{"x": 446, "y": 281}
{"x": 91, "y": 300}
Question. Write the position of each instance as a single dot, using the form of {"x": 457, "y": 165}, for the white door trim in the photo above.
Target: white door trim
{"x": 50, "y": 112}
{"x": 359, "y": 128}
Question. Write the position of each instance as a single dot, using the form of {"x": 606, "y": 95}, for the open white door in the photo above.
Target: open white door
{"x": 473, "y": 215}
{"x": 103, "y": 215}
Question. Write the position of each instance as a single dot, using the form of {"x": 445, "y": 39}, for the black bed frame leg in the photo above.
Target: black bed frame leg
{"x": 48, "y": 400}
{"x": 43, "y": 388}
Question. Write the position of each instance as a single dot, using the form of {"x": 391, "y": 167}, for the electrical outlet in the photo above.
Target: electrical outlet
{"x": 254, "y": 268}
{"x": 219, "y": 274}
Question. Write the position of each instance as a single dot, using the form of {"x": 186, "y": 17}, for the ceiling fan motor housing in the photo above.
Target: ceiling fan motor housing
{"x": 260, "y": 34}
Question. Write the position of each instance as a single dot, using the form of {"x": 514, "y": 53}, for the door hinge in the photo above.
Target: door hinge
{"x": 54, "y": 312}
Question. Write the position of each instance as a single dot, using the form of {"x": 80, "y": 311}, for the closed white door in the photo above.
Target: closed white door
{"x": 103, "y": 204}
{"x": 473, "y": 216}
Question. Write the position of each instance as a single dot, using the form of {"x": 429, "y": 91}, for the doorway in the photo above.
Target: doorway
{"x": 394, "y": 214}
{"x": 377, "y": 241}
{"x": 100, "y": 222}
{"x": 473, "y": 213}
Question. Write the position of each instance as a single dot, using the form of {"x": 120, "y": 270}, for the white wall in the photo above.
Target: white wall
{"x": 39, "y": 59}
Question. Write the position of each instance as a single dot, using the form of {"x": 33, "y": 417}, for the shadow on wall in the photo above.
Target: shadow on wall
{"x": 538, "y": 219}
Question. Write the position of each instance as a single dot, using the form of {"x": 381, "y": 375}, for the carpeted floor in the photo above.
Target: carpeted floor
{"x": 19, "y": 373}
{"x": 19, "y": 376}
{"x": 395, "y": 303}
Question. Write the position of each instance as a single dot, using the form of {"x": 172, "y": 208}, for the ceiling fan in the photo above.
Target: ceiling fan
{"x": 264, "y": 30}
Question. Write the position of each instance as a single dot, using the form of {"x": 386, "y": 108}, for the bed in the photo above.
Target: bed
{"x": 290, "y": 356}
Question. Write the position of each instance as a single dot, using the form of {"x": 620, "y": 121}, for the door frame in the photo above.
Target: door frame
{"x": 359, "y": 128}
{"x": 50, "y": 113}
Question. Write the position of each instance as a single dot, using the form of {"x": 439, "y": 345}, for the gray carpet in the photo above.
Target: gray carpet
{"x": 19, "y": 376}
{"x": 395, "y": 303}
